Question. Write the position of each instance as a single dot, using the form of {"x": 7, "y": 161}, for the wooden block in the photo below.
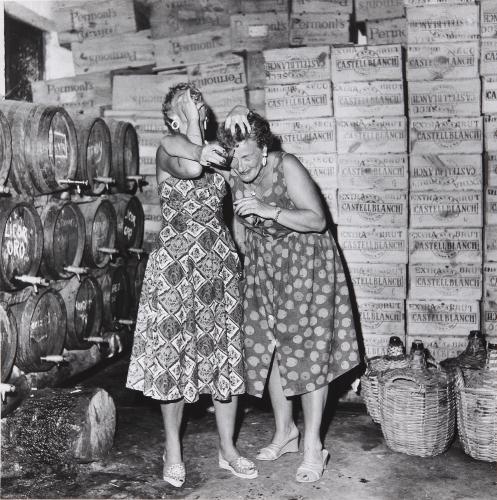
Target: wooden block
{"x": 490, "y": 127}
{"x": 260, "y": 31}
{"x": 323, "y": 169}
{"x": 490, "y": 159}
{"x": 298, "y": 100}
{"x": 223, "y": 102}
{"x": 445, "y": 172}
{"x": 130, "y": 50}
{"x": 365, "y": 62}
{"x": 80, "y": 20}
{"x": 443, "y": 61}
{"x": 442, "y": 23}
{"x": 374, "y": 98}
{"x": 447, "y": 98}
{"x": 491, "y": 205}
{"x": 309, "y": 135}
{"x": 255, "y": 6}
{"x": 488, "y": 58}
{"x": 192, "y": 49}
{"x": 304, "y": 64}
{"x": 376, "y": 344}
{"x": 80, "y": 95}
{"x": 489, "y": 95}
{"x": 445, "y": 281}
{"x": 373, "y": 171}
{"x": 373, "y": 244}
{"x": 376, "y": 281}
{"x": 320, "y": 6}
{"x": 446, "y": 135}
{"x": 451, "y": 209}
{"x": 490, "y": 281}
{"x": 441, "y": 347}
{"x": 489, "y": 319}
{"x": 387, "y": 31}
{"x": 442, "y": 317}
{"x": 378, "y": 9}
{"x": 452, "y": 245}
{"x": 382, "y": 318}
{"x": 256, "y": 101}
{"x": 225, "y": 74}
{"x": 490, "y": 243}
{"x": 372, "y": 135}
{"x": 488, "y": 19}
{"x": 319, "y": 29}
{"x": 187, "y": 17}
{"x": 256, "y": 74}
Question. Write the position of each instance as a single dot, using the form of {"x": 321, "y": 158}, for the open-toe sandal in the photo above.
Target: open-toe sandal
{"x": 174, "y": 474}
{"x": 239, "y": 467}
{"x": 311, "y": 472}
{"x": 275, "y": 450}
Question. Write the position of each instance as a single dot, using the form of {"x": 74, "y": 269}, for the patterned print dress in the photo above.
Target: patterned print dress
{"x": 188, "y": 331}
{"x": 296, "y": 300}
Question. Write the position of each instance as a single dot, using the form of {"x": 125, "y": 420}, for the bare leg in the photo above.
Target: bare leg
{"x": 172, "y": 414}
{"x": 225, "y": 420}
{"x": 313, "y": 404}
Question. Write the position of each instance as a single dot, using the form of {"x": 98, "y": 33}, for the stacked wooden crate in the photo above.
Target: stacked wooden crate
{"x": 368, "y": 94}
{"x": 446, "y": 138}
{"x": 488, "y": 68}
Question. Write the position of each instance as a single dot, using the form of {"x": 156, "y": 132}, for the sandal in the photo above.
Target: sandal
{"x": 312, "y": 472}
{"x": 239, "y": 467}
{"x": 174, "y": 474}
{"x": 274, "y": 451}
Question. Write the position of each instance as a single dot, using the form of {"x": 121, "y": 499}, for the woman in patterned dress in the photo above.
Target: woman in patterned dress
{"x": 298, "y": 323}
{"x": 188, "y": 337}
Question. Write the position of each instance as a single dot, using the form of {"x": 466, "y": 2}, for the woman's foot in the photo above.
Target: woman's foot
{"x": 240, "y": 466}
{"x": 174, "y": 473}
{"x": 282, "y": 443}
{"x": 311, "y": 471}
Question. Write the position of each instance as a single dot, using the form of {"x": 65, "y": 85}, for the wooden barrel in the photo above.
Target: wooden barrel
{"x": 116, "y": 294}
{"x": 64, "y": 237}
{"x": 8, "y": 334}
{"x": 84, "y": 305}
{"x": 136, "y": 273}
{"x": 41, "y": 322}
{"x": 44, "y": 147}
{"x": 100, "y": 225}
{"x": 21, "y": 242}
{"x": 130, "y": 221}
{"x": 5, "y": 149}
{"x": 125, "y": 155}
{"x": 95, "y": 152}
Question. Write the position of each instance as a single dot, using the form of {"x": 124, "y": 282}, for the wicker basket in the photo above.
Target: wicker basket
{"x": 472, "y": 358}
{"x": 395, "y": 358}
{"x": 418, "y": 408}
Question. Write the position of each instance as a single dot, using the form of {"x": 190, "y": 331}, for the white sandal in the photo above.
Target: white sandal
{"x": 274, "y": 450}
{"x": 240, "y": 467}
{"x": 312, "y": 472}
{"x": 174, "y": 474}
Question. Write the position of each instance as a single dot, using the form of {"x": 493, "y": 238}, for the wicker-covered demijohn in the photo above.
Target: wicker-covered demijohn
{"x": 472, "y": 358}
{"x": 477, "y": 409}
{"x": 418, "y": 407}
{"x": 394, "y": 358}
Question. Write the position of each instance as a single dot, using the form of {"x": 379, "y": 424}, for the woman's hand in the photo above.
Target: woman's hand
{"x": 254, "y": 206}
{"x": 238, "y": 116}
{"x": 212, "y": 154}
{"x": 188, "y": 107}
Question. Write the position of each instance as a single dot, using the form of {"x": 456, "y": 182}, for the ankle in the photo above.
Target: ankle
{"x": 228, "y": 451}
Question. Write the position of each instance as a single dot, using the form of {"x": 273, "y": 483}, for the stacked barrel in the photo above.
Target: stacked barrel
{"x": 446, "y": 139}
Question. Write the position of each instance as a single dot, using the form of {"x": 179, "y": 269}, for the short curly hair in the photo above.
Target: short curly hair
{"x": 174, "y": 91}
{"x": 261, "y": 133}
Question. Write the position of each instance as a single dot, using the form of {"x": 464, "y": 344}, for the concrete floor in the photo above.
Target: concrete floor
{"x": 361, "y": 466}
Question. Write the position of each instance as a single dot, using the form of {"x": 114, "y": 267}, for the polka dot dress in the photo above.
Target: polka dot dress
{"x": 296, "y": 300}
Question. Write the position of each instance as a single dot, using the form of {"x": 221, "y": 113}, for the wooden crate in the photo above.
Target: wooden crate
{"x": 153, "y": 225}
{"x": 387, "y": 31}
{"x": 442, "y": 23}
{"x": 320, "y": 6}
{"x": 442, "y": 317}
{"x": 255, "y": 6}
{"x": 490, "y": 281}
{"x": 254, "y": 69}
{"x": 447, "y": 172}
{"x": 374, "y": 98}
{"x": 490, "y": 159}
{"x": 373, "y": 208}
{"x": 491, "y": 205}
{"x": 445, "y": 281}
{"x": 80, "y": 20}
{"x": 490, "y": 242}
{"x": 322, "y": 167}
{"x": 425, "y": 3}
{"x": 82, "y": 95}
{"x": 319, "y": 29}
{"x": 226, "y": 74}
{"x": 260, "y": 31}
{"x": 489, "y": 95}
{"x": 447, "y": 98}
{"x": 187, "y": 17}
{"x": 223, "y": 102}
{"x": 450, "y": 209}
{"x": 378, "y": 281}
{"x": 449, "y": 245}
{"x": 298, "y": 100}
{"x": 443, "y": 61}
{"x": 441, "y": 346}
{"x": 382, "y": 317}
{"x": 373, "y": 171}
{"x": 304, "y": 64}
{"x": 488, "y": 19}
{"x": 330, "y": 196}
{"x": 309, "y": 135}
{"x": 488, "y": 58}
{"x": 192, "y": 49}
{"x": 446, "y": 135}
{"x": 378, "y": 9}
{"x": 376, "y": 344}
{"x": 256, "y": 101}
{"x": 489, "y": 319}
{"x": 130, "y": 50}
{"x": 490, "y": 128}
{"x": 372, "y": 135}
{"x": 366, "y": 62}
{"x": 372, "y": 244}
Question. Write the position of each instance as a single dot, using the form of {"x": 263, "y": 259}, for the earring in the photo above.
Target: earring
{"x": 264, "y": 159}
{"x": 205, "y": 123}
{"x": 175, "y": 124}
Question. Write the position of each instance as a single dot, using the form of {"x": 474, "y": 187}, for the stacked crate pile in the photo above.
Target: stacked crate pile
{"x": 488, "y": 68}
{"x": 446, "y": 139}
{"x": 368, "y": 94}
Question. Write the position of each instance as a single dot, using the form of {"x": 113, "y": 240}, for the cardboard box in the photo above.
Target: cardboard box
{"x": 490, "y": 162}
{"x": 490, "y": 281}
{"x": 225, "y": 74}
{"x": 490, "y": 127}
{"x": 488, "y": 19}
{"x": 377, "y": 281}
{"x": 322, "y": 167}
{"x": 489, "y": 319}
{"x": 488, "y": 58}
{"x": 447, "y": 245}
{"x": 378, "y": 9}
{"x": 319, "y": 28}
{"x": 489, "y": 95}
{"x": 382, "y": 318}
{"x": 320, "y": 6}
{"x": 442, "y": 346}
{"x": 330, "y": 196}
{"x": 490, "y": 205}
{"x": 221, "y": 103}
{"x": 387, "y": 31}
{"x": 490, "y": 244}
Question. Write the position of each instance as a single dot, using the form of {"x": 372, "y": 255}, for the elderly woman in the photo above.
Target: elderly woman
{"x": 298, "y": 324}
{"x": 188, "y": 339}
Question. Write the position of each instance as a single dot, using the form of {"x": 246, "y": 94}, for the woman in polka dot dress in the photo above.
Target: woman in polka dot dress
{"x": 298, "y": 324}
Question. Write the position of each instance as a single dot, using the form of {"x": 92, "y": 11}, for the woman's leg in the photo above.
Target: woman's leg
{"x": 313, "y": 404}
{"x": 172, "y": 415}
{"x": 225, "y": 412}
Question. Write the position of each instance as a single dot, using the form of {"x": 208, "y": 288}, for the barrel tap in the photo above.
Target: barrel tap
{"x": 73, "y": 182}
{"x": 114, "y": 342}
{"x": 107, "y": 250}
{"x": 104, "y": 180}
{"x": 54, "y": 358}
{"x": 36, "y": 281}
{"x": 125, "y": 322}
{"x": 78, "y": 271}
{"x": 5, "y": 388}
{"x": 137, "y": 179}
{"x": 137, "y": 251}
